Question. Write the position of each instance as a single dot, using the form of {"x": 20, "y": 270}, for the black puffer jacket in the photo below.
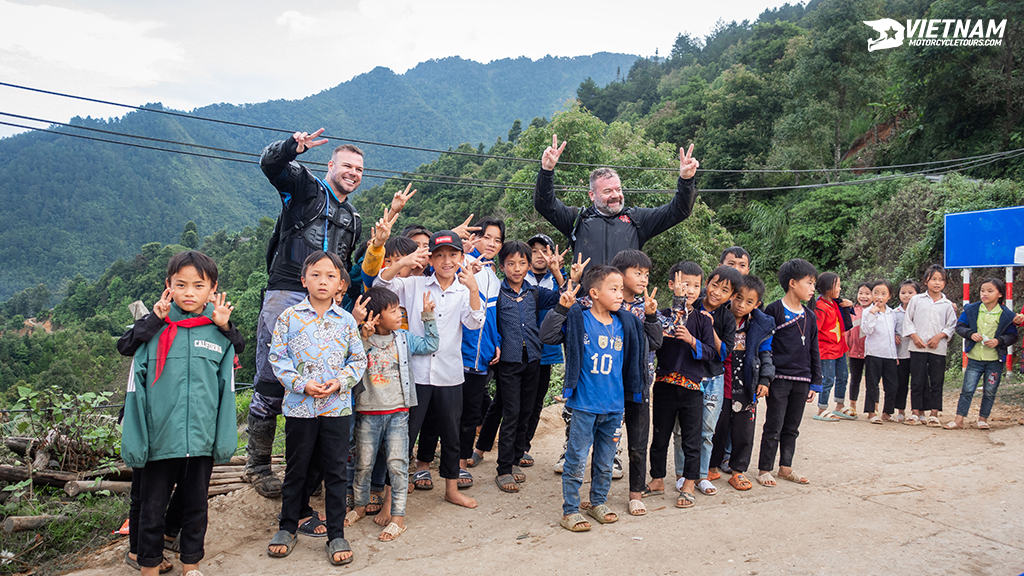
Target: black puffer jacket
{"x": 601, "y": 237}
{"x": 300, "y": 227}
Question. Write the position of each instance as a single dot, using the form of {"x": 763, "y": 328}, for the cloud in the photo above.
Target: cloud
{"x": 297, "y": 23}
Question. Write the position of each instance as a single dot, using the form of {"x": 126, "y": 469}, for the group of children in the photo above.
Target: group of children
{"x": 406, "y": 365}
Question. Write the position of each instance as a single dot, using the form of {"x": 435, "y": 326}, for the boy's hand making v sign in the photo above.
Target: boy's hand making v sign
{"x": 163, "y": 305}
{"x": 382, "y": 229}
{"x": 568, "y": 297}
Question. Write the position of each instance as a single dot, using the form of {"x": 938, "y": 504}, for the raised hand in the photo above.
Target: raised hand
{"x": 359, "y": 308}
{"x": 464, "y": 230}
{"x": 576, "y": 270}
{"x": 468, "y": 279}
{"x": 650, "y": 303}
{"x": 552, "y": 153}
{"x": 418, "y": 259}
{"x": 678, "y": 286}
{"x": 687, "y": 163}
{"x": 556, "y": 259}
{"x": 306, "y": 140}
{"x": 400, "y": 198}
{"x": 163, "y": 305}
{"x": 382, "y": 229}
{"x": 568, "y": 297}
{"x": 369, "y": 325}
{"x": 221, "y": 309}
{"x": 428, "y": 304}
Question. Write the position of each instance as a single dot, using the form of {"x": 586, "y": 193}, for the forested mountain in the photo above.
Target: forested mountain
{"x": 73, "y": 206}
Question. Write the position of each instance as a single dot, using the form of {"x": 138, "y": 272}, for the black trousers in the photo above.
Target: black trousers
{"x": 638, "y": 432}
{"x": 856, "y": 373}
{"x": 927, "y": 372}
{"x": 740, "y": 427}
{"x": 543, "y": 383}
{"x": 783, "y": 411}
{"x": 172, "y": 519}
{"x": 517, "y": 385}
{"x": 158, "y": 479}
{"x": 902, "y": 383}
{"x": 313, "y": 444}
{"x": 879, "y": 369}
{"x": 673, "y": 404}
{"x": 474, "y": 389}
{"x": 491, "y": 422}
{"x": 441, "y": 408}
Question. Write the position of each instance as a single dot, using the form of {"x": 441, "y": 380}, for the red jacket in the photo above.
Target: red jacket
{"x": 831, "y": 333}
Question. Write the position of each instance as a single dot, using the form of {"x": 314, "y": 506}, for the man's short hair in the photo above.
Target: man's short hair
{"x": 729, "y": 274}
{"x": 599, "y": 173}
{"x": 751, "y": 282}
{"x": 593, "y": 277}
{"x": 795, "y": 269}
{"x": 398, "y": 246}
{"x": 203, "y": 264}
{"x": 486, "y": 223}
{"x": 513, "y": 247}
{"x": 379, "y": 299}
{"x": 334, "y": 258}
{"x": 415, "y": 230}
{"x": 627, "y": 259}
{"x": 687, "y": 268}
{"x": 736, "y": 251}
{"x": 347, "y": 148}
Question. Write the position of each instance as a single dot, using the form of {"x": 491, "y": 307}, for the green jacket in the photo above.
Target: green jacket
{"x": 191, "y": 410}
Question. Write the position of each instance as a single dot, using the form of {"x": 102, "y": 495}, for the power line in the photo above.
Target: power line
{"x": 497, "y": 184}
{"x": 495, "y": 156}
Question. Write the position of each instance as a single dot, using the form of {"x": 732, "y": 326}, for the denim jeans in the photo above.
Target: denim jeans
{"x": 833, "y": 373}
{"x": 379, "y": 478}
{"x": 586, "y": 430}
{"x": 714, "y": 395}
{"x": 992, "y": 372}
{"x": 391, "y": 430}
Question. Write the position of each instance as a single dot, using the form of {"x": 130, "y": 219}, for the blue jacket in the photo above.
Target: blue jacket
{"x": 479, "y": 346}
{"x": 1006, "y": 333}
{"x": 551, "y": 354}
{"x": 758, "y": 367}
{"x": 566, "y": 325}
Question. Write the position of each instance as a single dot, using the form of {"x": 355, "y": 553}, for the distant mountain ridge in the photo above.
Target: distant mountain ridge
{"x": 72, "y": 206}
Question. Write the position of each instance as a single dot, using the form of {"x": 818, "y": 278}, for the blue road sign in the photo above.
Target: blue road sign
{"x": 985, "y": 238}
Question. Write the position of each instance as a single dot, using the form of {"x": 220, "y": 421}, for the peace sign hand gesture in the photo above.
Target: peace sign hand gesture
{"x": 464, "y": 230}
{"x": 382, "y": 229}
{"x": 556, "y": 259}
{"x": 428, "y": 304}
{"x": 650, "y": 303}
{"x": 576, "y": 270}
{"x": 359, "y": 308}
{"x": 552, "y": 153}
{"x": 163, "y": 305}
{"x": 369, "y": 326}
{"x": 398, "y": 202}
{"x": 568, "y": 297}
{"x": 687, "y": 163}
{"x": 305, "y": 140}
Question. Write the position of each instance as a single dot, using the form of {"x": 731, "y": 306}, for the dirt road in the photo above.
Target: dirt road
{"x": 885, "y": 499}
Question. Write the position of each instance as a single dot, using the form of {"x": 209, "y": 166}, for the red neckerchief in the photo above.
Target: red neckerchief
{"x": 167, "y": 339}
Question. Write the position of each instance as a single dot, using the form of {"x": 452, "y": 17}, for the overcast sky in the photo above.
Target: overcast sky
{"x": 190, "y": 53}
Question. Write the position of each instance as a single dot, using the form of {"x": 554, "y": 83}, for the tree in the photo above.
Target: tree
{"x": 189, "y": 236}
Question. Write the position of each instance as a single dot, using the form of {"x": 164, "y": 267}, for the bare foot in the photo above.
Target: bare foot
{"x": 384, "y": 536}
{"x": 165, "y": 566}
{"x": 452, "y": 494}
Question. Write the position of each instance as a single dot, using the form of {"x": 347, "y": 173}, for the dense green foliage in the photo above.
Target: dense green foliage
{"x": 72, "y": 206}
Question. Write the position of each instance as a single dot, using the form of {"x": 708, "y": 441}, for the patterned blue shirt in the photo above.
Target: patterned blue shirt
{"x": 518, "y": 320}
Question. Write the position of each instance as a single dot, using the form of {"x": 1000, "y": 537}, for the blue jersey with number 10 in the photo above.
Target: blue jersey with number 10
{"x": 600, "y": 389}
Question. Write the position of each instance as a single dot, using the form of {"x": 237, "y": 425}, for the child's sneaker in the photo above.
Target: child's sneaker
{"x": 617, "y": 469}
{"x": 560, "y": 464}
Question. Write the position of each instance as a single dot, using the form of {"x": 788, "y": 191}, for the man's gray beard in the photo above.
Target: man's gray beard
{"x": 606, "y": 211}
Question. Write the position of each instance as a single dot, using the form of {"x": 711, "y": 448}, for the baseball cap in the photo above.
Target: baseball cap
{"x": 445, "y": 238}
{"x": 541, "y": 238}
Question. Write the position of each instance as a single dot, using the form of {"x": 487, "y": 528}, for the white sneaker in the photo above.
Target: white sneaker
{"x": 560, "y": 464}
{"x": 617, "y": 470}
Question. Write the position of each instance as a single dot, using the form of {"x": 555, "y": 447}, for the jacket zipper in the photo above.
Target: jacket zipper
{"x": 188, "y": 393}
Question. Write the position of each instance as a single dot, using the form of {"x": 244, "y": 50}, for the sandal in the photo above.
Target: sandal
{"x": 876, "y": 419}
{"x": 165, "y": 566}
{"x": 526, "y": 461}
{"x": 826, "y": 417}
{"x": 507, "y": 483}
{"x": 465, "y": 479}
{"x": 637, "y": 508}
{"x": 308, "y": 528}
{"x": 574, "y": 523}
{"x": 714, "y": 475}
{"x": 913, "y": 420}
{"x": 282, "y": 538}
{"x": 933, "y": 422}
{"x": 766, "y": 480}
{"x": 518, "y": 474}
{"x": 393, "y": 531}
{"x": 843, "y": 415}
{"x": 983, "y": 425}
{"x": 474, "y": 460}
{"x": 352, "y": 517}
{"x": 648, "y": 492}
{"x": 423, "y": 480}
{"x": 174, "y": 544}
{"x": 601, "y": 512}
{"x": 706, "y": 487}
{"x": 376, "y": 503}
{"x": 952, "y": 425}
{"x": 339, "y": 545}
{"x": 685, "y": 500}
{"x": 740, "y": 482}
{"x": 794, "y": 477}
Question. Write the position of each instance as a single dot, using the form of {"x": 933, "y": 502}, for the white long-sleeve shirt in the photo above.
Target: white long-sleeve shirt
{"x": 926, "y": 318}
{"x": 879, "y": 330}
{"x": 452, "y": 312}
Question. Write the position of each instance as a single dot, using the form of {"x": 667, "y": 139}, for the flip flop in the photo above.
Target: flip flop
{"x": 377, "y": 501}
{"x": 505, "y": 483}
{"x": 474, "y": 460}
{"x": 339, "y": 545}
{"x": 574, "y": 523}
{"x": 648, "y": 492}
{"x": 424, "y": 477}
{"x": 982, "y": 425}
{"x": 351, "y": 517}
{"x": 740, "y": 482}
{"x": 526, "y": 461}
{"x": 308, "y": 528}
{"x": 282, "y": 538}
{"x": 465, "y": 479}
{"x": 952, "y": 425}
{"x": 794, "y": 477}
{"x": 601, "y": 513}
{"x": 843, "y": 415}
{"x": 393, "y": 530}
{"x": 826, "y": 417}
{"x": 764, "y": 479}
{"x": 637, "y": 508}
{"x": 518, "y": 474}
{"x": 685, "y": 500}
{"x": 707, "y": 488}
